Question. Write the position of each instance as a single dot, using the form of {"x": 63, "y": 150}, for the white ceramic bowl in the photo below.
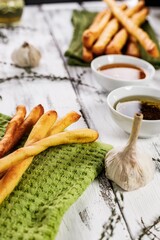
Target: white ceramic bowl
{"x": 148, "y": 128}
{"x": 110, "y": 83}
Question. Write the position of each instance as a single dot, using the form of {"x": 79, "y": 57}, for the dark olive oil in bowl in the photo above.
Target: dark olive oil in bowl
{"x": 148, "y": 106}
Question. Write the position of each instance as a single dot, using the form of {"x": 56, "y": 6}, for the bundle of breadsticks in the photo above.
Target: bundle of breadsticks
{"x": 46, "y": 132}
{"x": 116, "y": 30}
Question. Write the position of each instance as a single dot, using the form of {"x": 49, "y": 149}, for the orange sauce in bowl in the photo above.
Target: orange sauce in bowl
{"x": 123, "y": 71}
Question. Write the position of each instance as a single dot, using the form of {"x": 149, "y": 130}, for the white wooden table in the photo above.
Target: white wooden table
{"x": 130, "y": 214}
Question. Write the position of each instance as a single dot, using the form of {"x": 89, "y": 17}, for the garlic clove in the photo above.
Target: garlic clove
{"x": 26, "y": 56}
{"x": 130, "y": 167}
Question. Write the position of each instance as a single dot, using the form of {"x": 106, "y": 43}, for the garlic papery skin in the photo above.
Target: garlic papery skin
{"x": 26, "y": 56}
{"x": 130, "y": 167}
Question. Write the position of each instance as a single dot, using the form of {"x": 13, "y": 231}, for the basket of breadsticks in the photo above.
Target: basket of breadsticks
{"x": 117, "y": 29}
{"x": 46, "y": 172}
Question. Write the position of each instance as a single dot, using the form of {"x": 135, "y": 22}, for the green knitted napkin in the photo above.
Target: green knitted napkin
{"x": 53, "y": 182}
{"x": 81, "y": 20}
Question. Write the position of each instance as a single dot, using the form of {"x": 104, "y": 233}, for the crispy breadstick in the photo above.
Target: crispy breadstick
{"x": 91, "y": 34}
{"x": 64, "y": 122}
{"x": 140, "y": 17}
{"x": 18, "y": 118}
{"x": 7, "y": 141}
{"x": 98, "y": 19}
{"x": 14, "y": 174}
{"x": 131, "y": 11}
{"x": 29, "y": 122}
{"x": 105, "y": 37}
{"x": 133, "y": 29}
{"x": 87, "y": 54}
{"x": 120, "y": 39}
{"x": 132, "y": 49}
{"x": 75, "y": 136}
{"x": 25, "y": 127}
{"x": 117, "y": 43}
{"x": 42, "y": 127}
{"x": 99, "y": 23}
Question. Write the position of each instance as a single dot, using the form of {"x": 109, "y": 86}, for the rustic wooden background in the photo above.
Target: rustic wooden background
{"x": 103, "y": 211}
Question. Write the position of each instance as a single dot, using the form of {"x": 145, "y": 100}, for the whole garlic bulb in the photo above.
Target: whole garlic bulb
{"x": 130, "y": 167}
{"x": 26, "y": 56}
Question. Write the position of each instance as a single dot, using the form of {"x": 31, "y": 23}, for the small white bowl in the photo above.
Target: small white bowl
{"x": 110, "y": 83}
{"x": 148, "y": 128}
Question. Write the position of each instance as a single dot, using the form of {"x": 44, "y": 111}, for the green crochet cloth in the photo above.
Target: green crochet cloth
{"x": 53, "y": 182}
{"x": 81, "y": 20}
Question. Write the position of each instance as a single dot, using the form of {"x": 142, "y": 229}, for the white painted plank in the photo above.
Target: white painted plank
{"x": 59, "y": 22}
{"x": 51, "y": 94}
{"x": 85, "y": 218}
{"x": 60, "y": 6}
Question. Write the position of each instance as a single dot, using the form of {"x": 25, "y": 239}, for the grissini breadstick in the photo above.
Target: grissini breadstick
{"x": 117, "y": 43}
{"x": 25, "y": 127}
{"x": 105, "y": 37}
{"x": 42, "y": 127}
{"x": 13, "y": 136}
{"x": 120, "y": 39}
{"x": 64, "y": 122}
{"x": 14, "y": 174}
{"x": 131, "y": 11}
{"x": 132, "y": 49}
{"x": 18, "y": 118}
{"x": 29, "y": 122}
{"x": 110, "y": 30}
{"x": 140, "y": 17}
{"x": 75, "y": 136}
{"x": 98, "y": 18}
{"x": 92, "y": 33}
{"x": 87, "y": 54}
{"x": 7, "y": 141}
{"x": 133, "y": 29}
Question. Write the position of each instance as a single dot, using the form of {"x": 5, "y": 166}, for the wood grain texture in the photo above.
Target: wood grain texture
{"x": 64, "y": 89}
